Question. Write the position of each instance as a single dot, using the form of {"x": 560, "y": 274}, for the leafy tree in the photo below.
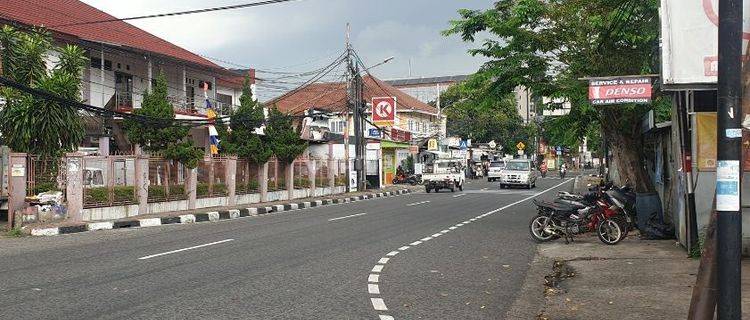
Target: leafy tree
{"x": 283, "y": 138}
{"x": 159, "y": 133}
{"x": 476, "y": 114}
{"x": 242, "y": 140}
{"x": 32, "y": 124}
{"x": 547, "y": 46}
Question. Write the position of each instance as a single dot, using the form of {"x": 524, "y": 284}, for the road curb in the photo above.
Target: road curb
{"x": 207, "y": 216}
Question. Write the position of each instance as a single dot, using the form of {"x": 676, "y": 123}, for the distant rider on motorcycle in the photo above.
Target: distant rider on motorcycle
{"x": 563, "y": 170}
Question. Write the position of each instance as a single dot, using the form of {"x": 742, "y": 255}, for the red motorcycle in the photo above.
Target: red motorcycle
{"x": 570, "y": 215}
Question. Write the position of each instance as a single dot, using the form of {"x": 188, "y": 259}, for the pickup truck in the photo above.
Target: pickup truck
{"x": 444, "y": 174}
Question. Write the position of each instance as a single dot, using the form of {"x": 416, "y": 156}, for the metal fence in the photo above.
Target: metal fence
{"x": 211, "y": 178}
{"x": 301, "y": 174}
{"x": 339, "y": 172}
{"x": 276, "y": 175}
{"x": 246, "y": 178}
{"x": 108, "y": 181}
{"x": 321, "y": 173}
{"x": 166, "y": 180}
{"x": 45, "y": 175}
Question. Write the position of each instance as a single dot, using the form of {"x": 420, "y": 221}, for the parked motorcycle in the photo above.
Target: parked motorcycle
{"x": 402, "y": 178}
{"x": 570, "y": 215}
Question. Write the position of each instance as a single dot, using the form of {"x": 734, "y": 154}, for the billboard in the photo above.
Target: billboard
{"x": 618, "y": 90}
{"x": 689, "y": 31}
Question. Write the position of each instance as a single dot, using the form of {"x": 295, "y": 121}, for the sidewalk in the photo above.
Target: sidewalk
{"x": 636, "y": 279}
{"x": 212, "y": 213}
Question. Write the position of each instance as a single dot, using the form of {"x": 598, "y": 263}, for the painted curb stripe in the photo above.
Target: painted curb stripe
{"x": 201, "y": 217}
{"x": 72, "y": 229}
{"x": 126, "y": 224}
{"x": 171, "y": 220}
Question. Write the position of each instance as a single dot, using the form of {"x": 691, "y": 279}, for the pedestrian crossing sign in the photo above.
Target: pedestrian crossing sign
{"x": 520, "y": 146}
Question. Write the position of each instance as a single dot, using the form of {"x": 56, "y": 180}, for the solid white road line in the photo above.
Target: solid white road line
{"x": 378, "y": 304}
{"x": 349, "y": 216}
{"x": 373, "y": 288}
{"x": 184, "y": 249}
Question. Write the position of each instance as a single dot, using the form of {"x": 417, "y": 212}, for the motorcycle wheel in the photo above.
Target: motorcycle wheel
{"x": 536, "y": 229}
{"x": 395, "y": 181}
{"x": 610, "y": 232}
{"x": 428, "y": 189}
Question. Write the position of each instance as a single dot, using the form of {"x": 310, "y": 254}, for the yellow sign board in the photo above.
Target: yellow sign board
{"x": 520, "y": 146}
{"x": 432, "y": 144}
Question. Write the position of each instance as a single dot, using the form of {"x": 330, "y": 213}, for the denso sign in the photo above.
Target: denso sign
{"x": 606, "y": 91}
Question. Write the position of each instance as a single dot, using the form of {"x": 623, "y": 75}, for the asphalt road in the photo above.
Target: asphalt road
{"x": 313, "y": 263}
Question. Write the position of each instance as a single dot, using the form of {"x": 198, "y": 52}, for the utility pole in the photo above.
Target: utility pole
{"x": 729, "y": 158}
{"x": 346, "y": 114}
{"x": 355, "y": 106}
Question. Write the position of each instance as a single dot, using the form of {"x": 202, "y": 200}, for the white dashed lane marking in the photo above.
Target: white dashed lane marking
{"x": 374, "y": 289}
{"x": 417, "y": 203}
{"x": 459, "y": 195}
{"x": 349, "y": 216}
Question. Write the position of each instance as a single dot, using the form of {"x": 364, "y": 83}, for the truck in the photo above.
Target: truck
{"x": 444, "y": 174}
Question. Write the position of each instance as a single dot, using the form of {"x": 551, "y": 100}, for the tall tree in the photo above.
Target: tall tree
{"x": 29, "y": 123}
{"x": 548, "y": 46}
{"x": 283, "y": 138}
{"x": 161, "y": 134}
{"x": 243, "y": 140}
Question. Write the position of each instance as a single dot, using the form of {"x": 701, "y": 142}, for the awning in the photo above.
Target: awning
{"x": 386, "y": 144}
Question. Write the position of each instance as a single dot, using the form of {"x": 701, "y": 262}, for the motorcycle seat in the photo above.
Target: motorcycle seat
{"x": 556, "y": 206}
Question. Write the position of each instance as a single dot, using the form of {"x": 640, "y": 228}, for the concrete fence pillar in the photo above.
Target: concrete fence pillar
{"x": 17, "y": 182}
{"x": 104, "y": 146}
{"x": 191, "y": 183}
{"x": 331, "y": 164}
{"x": 74, "y": 186}
{"x": 263, "y": 182}
{"x": 289, "y": 176}
{"x": 142, "y": 182}
{"x": 230, "y": 176}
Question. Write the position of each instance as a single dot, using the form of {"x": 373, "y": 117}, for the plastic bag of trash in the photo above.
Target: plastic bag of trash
{"x": 50, "y": 197}
{"x": 654, "y": 229}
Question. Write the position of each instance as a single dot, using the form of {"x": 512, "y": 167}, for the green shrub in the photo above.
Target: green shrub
{"x": 301, "y": 183}
{"x": 220, "y": 189}
{"x": 201, "y": 189}
{"x": 253, "y": 185}
{"x": 15, "y": 232}
{"x": 177, "y": 192}
{"x": 157, "y": 192}
{"x": 340, "y": 180}
{"x": 99, "y": 195}
{"x": 40, "y": 187}
{"x": 124, "y": 194}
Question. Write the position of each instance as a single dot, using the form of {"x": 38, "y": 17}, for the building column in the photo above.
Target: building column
{"x": 104, "y": 146}
{"x": 17, "y": 185}
{"x": 191, "y": 183}
{"x": 263, "y": 182}
{"x": 331, "y": 164}
{"x": 230, "y": 176}
{"x": 142, "y": 182}
{"x": 150, "y": 73}
{"x": 74, "y": 187}
{"x": 289, "y": 177}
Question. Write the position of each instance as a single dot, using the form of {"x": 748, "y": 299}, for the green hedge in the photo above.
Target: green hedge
{"x": 124, "y": 194}
{"x": 98, "y": 195}
{"x": 159, "y": 193}
{"x": 40, "y": 187}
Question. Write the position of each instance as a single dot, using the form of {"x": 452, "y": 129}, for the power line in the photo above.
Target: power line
{"x": 172, "y": 14}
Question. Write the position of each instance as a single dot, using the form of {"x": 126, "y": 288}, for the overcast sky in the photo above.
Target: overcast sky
{"x": 301, "y": 35}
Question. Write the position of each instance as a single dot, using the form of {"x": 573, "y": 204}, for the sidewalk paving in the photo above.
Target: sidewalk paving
{"x": 211, "y": 213}
{"x": 636, "y": 279}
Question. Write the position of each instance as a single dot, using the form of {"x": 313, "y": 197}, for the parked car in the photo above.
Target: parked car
{"x": 495, "y": 170}
{"x": 518, "y": 173}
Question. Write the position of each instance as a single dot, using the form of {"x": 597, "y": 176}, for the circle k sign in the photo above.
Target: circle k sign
{"x": 384, "y": 110}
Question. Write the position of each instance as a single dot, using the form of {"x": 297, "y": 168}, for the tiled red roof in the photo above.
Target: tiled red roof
{"x": 58, "y": 12}
{"x": 332, "y": 97}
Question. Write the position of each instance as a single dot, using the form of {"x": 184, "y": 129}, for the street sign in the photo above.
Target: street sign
{"x": 432, "y": 144}
{"x": 520, "y": 146}
{"x": 384, "y": 110}
{"x": 463, "y": 145}
{"x": 618, "y": 90}
{"x": 374, "y": 133}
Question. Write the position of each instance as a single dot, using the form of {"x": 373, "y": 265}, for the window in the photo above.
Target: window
{"x": 337, "y": 126}
{"x": 224, "y": 104}
{"x": 96, "y": 63}
{"x": 411, "y": 125}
